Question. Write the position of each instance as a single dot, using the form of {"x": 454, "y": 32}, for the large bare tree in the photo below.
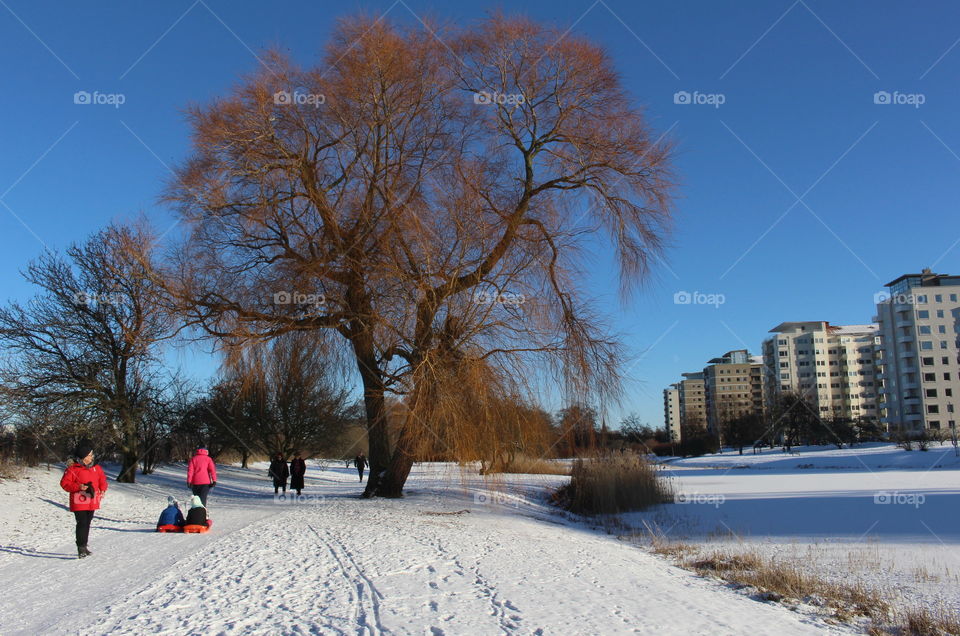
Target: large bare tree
{"x": 88, "y": 341}
{"x": 422, "y": 198}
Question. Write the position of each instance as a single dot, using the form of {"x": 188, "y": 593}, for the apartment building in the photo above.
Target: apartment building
{"x": 693, "y": 406}
{"x": 831, "y": 366}
{"x": 733, "y": 386}
{"x": 917, "y": 352}
{"x": 671, "y": 411}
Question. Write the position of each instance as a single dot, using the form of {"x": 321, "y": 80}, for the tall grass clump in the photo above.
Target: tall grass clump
{"x": 613, "y": 484}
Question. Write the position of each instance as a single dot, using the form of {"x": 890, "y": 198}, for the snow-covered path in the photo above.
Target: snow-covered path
{"x": 442, "y": 561}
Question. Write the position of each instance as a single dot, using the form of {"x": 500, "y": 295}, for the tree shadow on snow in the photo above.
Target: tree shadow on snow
{"x": 12, "y": 549}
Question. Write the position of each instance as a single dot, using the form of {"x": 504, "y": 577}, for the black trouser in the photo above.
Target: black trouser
{"x": 277, "y": 485}
{"x": 201, "y": 490}
{"x": 360, "y": 470}
{"x": 84, "y": 517}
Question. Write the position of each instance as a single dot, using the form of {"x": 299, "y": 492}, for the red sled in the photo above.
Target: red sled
{"x": 169, "y": 527}
{"x": 196, "y": 528}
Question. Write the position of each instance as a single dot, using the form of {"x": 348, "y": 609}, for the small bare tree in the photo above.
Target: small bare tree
{"x": 87, "y": 342}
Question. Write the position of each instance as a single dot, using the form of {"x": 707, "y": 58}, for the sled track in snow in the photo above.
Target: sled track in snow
{"x": 362, "y": 590}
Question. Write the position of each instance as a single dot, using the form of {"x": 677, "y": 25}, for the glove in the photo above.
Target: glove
{"x": 212, "y": 484}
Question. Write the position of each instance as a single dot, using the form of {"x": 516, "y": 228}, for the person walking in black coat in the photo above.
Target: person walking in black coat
{"x": 360, "y": 462}
{"x": 298, "y": 468}
{"x": 279, "y": 472}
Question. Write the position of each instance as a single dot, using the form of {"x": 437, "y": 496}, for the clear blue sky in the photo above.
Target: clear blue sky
{"x": 879, "y": 182}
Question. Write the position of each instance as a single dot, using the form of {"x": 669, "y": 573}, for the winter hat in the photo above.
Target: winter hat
{"x": 195, "y": 502}
{"x": 171, "y": 501}
{"x": 84, "y": 448}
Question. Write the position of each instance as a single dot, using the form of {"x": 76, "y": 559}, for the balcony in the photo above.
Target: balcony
{"x": 903, "y": 323}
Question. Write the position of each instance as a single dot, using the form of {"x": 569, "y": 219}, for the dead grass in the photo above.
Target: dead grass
{"x": 613, "y": 484}
{"x": 10, "y": 470}
{"x": 784, "y": 582}
{"x": 525, "y": 465}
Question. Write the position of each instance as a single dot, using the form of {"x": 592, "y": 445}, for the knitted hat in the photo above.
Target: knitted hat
{"x": 84, "y": 448}
{"x": 195, "y": 502}
{"x": 171, "y": 501}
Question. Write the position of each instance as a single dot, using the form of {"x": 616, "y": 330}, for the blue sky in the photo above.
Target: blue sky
{"x": 800, "y": 195}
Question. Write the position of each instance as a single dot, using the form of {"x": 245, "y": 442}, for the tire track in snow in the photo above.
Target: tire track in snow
{"x": 361, "y": 587}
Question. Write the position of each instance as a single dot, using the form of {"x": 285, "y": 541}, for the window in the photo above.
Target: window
{"x": 923, "y": 313}
{"x": 941, "y": 329}
{"x": 946, "y": 376}
{"x": 944, "y": 360}
{"x": 953, "y": 298}
{"x": 937, "y": 298}
{"x": 783, "y": 354}
{"x": 926, "y": 345}
{"x": 930, "y": 393}
{"x": 939, "y": 313}
{"x": 782, "y": 341}
{"x": 948, "y": 392}
{"x": 922, "y": 299}
{"x": 924, "y": 330}
{"x": 943, "y": 344}
{"x": 784, "y": 365}
{"x": 927, "y": 362}
{"x": 933, "y": 408}
{"x": 929, "y": 377}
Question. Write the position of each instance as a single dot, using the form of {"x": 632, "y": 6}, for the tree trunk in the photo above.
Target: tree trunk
{"x": 129, "y": 459}
{"x": 378, "y": 440}
{"x": 400, "y": 464}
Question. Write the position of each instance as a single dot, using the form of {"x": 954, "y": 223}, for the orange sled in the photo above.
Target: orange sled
{"x": 169, "y": 528}
{"x": 197, "y": 528}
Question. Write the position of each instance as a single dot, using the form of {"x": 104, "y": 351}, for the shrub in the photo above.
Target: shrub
{"x": 613, "y": 484}
{"x": 525, "y": 465}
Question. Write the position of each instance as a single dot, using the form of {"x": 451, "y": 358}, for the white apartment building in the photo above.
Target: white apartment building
{"x": 733, "y": 386}
{"x": 832, "y": 367}
{"x": 917, "y": 353}
{"x": 671, "y": 411}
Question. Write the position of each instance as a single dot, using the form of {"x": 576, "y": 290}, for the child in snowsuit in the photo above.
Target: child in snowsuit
{"x": 197, "y": 515}
{"x": 171, "y": 515}
{"x": 86, "y": 483}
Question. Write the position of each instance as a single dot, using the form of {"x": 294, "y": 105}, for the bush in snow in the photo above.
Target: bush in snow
{"x": 612, "y": 484}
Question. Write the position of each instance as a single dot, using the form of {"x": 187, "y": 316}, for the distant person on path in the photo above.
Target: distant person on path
{"x": 86, "y": 483}
{"x": 171, "y": 515}
{"x": 360, "y": 462}
{"x": 298, "y": 468}
{"x": 279, "y": 472}
{"x": 201, "y": 474}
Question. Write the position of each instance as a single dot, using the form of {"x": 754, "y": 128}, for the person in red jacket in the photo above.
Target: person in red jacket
{"x": 201, "y": 474}
{"x": 86, "y": 483}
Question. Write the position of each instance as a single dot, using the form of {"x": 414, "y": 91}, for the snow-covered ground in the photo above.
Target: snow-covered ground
{"x": 876, "y": 514}
{"x": 456, "y": 556}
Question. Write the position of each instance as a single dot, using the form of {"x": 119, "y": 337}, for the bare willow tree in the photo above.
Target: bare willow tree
{"x": 87, "y": 342}
{"x": 422, "y": 201}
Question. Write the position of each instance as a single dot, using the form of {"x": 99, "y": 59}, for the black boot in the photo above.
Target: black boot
{"x": 82, "y": 551}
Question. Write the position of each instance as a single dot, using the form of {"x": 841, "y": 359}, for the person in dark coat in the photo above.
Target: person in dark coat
{"x": 360, "y": 462}
{"x": 279, "y": 472}
{"x": 298, "y": 468}
{"x": 86, "y": 483}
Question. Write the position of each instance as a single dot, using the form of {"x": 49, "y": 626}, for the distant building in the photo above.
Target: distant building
{"x": 671, "y": 411}
{"x": 693, "y": 406}
{"x": 917, "y": 355}
{"x": 831, "y": 367}
{"x": 733, "y": 386}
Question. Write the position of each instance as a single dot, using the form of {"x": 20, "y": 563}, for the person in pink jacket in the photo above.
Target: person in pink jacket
{"x": 201, "y": 474}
